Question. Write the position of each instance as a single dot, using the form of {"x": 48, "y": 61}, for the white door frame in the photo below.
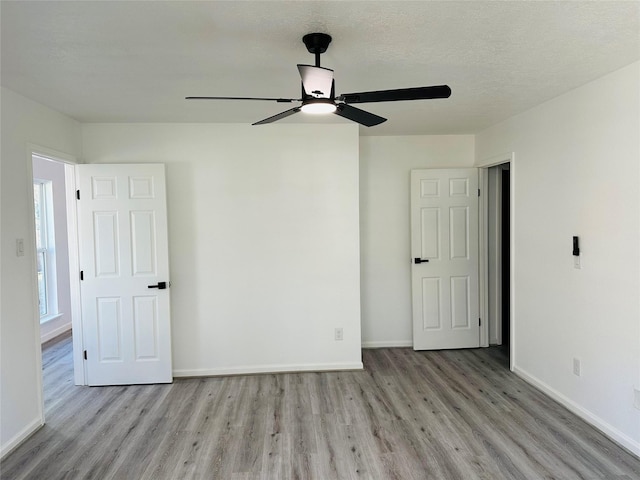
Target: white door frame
{"x": 79, "y": 370}
{"x": 484, "y": 165}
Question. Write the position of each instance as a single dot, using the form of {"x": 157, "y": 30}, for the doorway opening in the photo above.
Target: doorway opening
{"x": 506, "y": 257}
{"x": 54, "y": 216}
{"x": 52, "y": 247}
{"x": 499, "y": 257}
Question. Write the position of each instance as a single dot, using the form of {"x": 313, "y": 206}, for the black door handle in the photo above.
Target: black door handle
{"x": 420, "y": 260}
{"x": 159, "y": 286}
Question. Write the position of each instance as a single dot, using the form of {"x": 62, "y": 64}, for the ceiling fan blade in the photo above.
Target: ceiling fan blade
{"x": 279, "y": 100}
{"x": 417, "y": 93}
{"x": 317, "y": 81}
{"x": 279, "y": 116}
{"x": 363, "y": 118}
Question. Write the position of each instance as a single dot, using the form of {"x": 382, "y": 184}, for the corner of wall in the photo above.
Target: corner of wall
{"x": 11, "y": 444}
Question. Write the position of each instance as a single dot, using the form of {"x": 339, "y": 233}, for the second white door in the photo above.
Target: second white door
{"x": 124, "y": 260}
{"x": 444, "y": 250}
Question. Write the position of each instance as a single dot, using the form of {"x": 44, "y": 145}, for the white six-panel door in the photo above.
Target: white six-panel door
{"x": 444, "y": 263}
{"x": 122, "y": 222}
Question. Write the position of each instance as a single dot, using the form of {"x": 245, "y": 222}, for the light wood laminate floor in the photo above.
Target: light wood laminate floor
{"x": 457, "y": 415}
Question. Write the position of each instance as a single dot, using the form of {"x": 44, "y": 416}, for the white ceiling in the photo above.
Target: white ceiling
{"x": 135, "y": 61}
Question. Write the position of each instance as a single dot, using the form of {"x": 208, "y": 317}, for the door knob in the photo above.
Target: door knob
{"x": 159, "y": 286}
{"x": 420, "y": 260}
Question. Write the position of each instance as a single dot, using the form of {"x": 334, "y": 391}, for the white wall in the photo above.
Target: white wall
{"x": 44, "y": 169}
{"x": 263, "y": 238}
{"x": 24, "y": 122}
{"x": 385, "y": 163}
{"x": 577, "y": 172}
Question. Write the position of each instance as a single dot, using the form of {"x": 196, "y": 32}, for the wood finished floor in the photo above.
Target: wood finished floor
{"x": 457, "y": 415}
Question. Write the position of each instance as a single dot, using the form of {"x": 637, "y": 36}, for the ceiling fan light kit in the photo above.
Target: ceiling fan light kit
{"x": 317, "y": 106}
{"x": 318, "y": 91}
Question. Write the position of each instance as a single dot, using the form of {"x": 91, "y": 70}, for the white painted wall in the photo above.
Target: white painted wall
{"x": 23, "y": 122}
{"x": 385, "y": 163}
{"x": 44, "y": 169}
{"x": 577, "y": 172}
{"x": 263, "y": 239}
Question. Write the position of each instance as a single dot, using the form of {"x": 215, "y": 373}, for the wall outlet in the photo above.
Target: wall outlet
{"x": 577, "y": 368}
{"x": 636, "y": 398}
{"x": 338, "y": 334}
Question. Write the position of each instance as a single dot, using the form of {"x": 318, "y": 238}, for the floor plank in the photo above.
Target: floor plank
{"x": 458, "y": 414}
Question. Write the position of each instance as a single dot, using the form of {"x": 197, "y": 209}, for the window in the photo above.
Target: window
{"x": 45, "y": 249}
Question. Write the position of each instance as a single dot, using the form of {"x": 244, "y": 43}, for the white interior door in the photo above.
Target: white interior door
{"x": 444, "y": 250}
{"x": 122, "y": 222}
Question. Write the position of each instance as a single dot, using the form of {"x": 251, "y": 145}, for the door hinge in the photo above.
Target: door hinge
{"x": 478, "y": 192}
{"x": 85, "y": 354}
{"x": 479, "y": 322}
{"x": 81, "y": 274}
{"x": 77, "y": 194}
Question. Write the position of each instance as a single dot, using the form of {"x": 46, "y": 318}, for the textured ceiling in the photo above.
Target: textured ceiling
{"x": 135, "y": 61}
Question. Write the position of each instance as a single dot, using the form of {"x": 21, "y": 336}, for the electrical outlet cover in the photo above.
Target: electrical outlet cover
{"x": 576, "y": 367}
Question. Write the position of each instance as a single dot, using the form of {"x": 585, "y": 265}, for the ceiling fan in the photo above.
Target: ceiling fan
{"x": 318, "y": 91}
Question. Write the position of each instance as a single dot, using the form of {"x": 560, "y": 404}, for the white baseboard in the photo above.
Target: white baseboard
{"x": 249, "y": 370}
{"x": 54, "y": 333}
{"x": 388, "y": 344}
{"x": 21, "y": 436}
{"x": 613, "y": 433}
